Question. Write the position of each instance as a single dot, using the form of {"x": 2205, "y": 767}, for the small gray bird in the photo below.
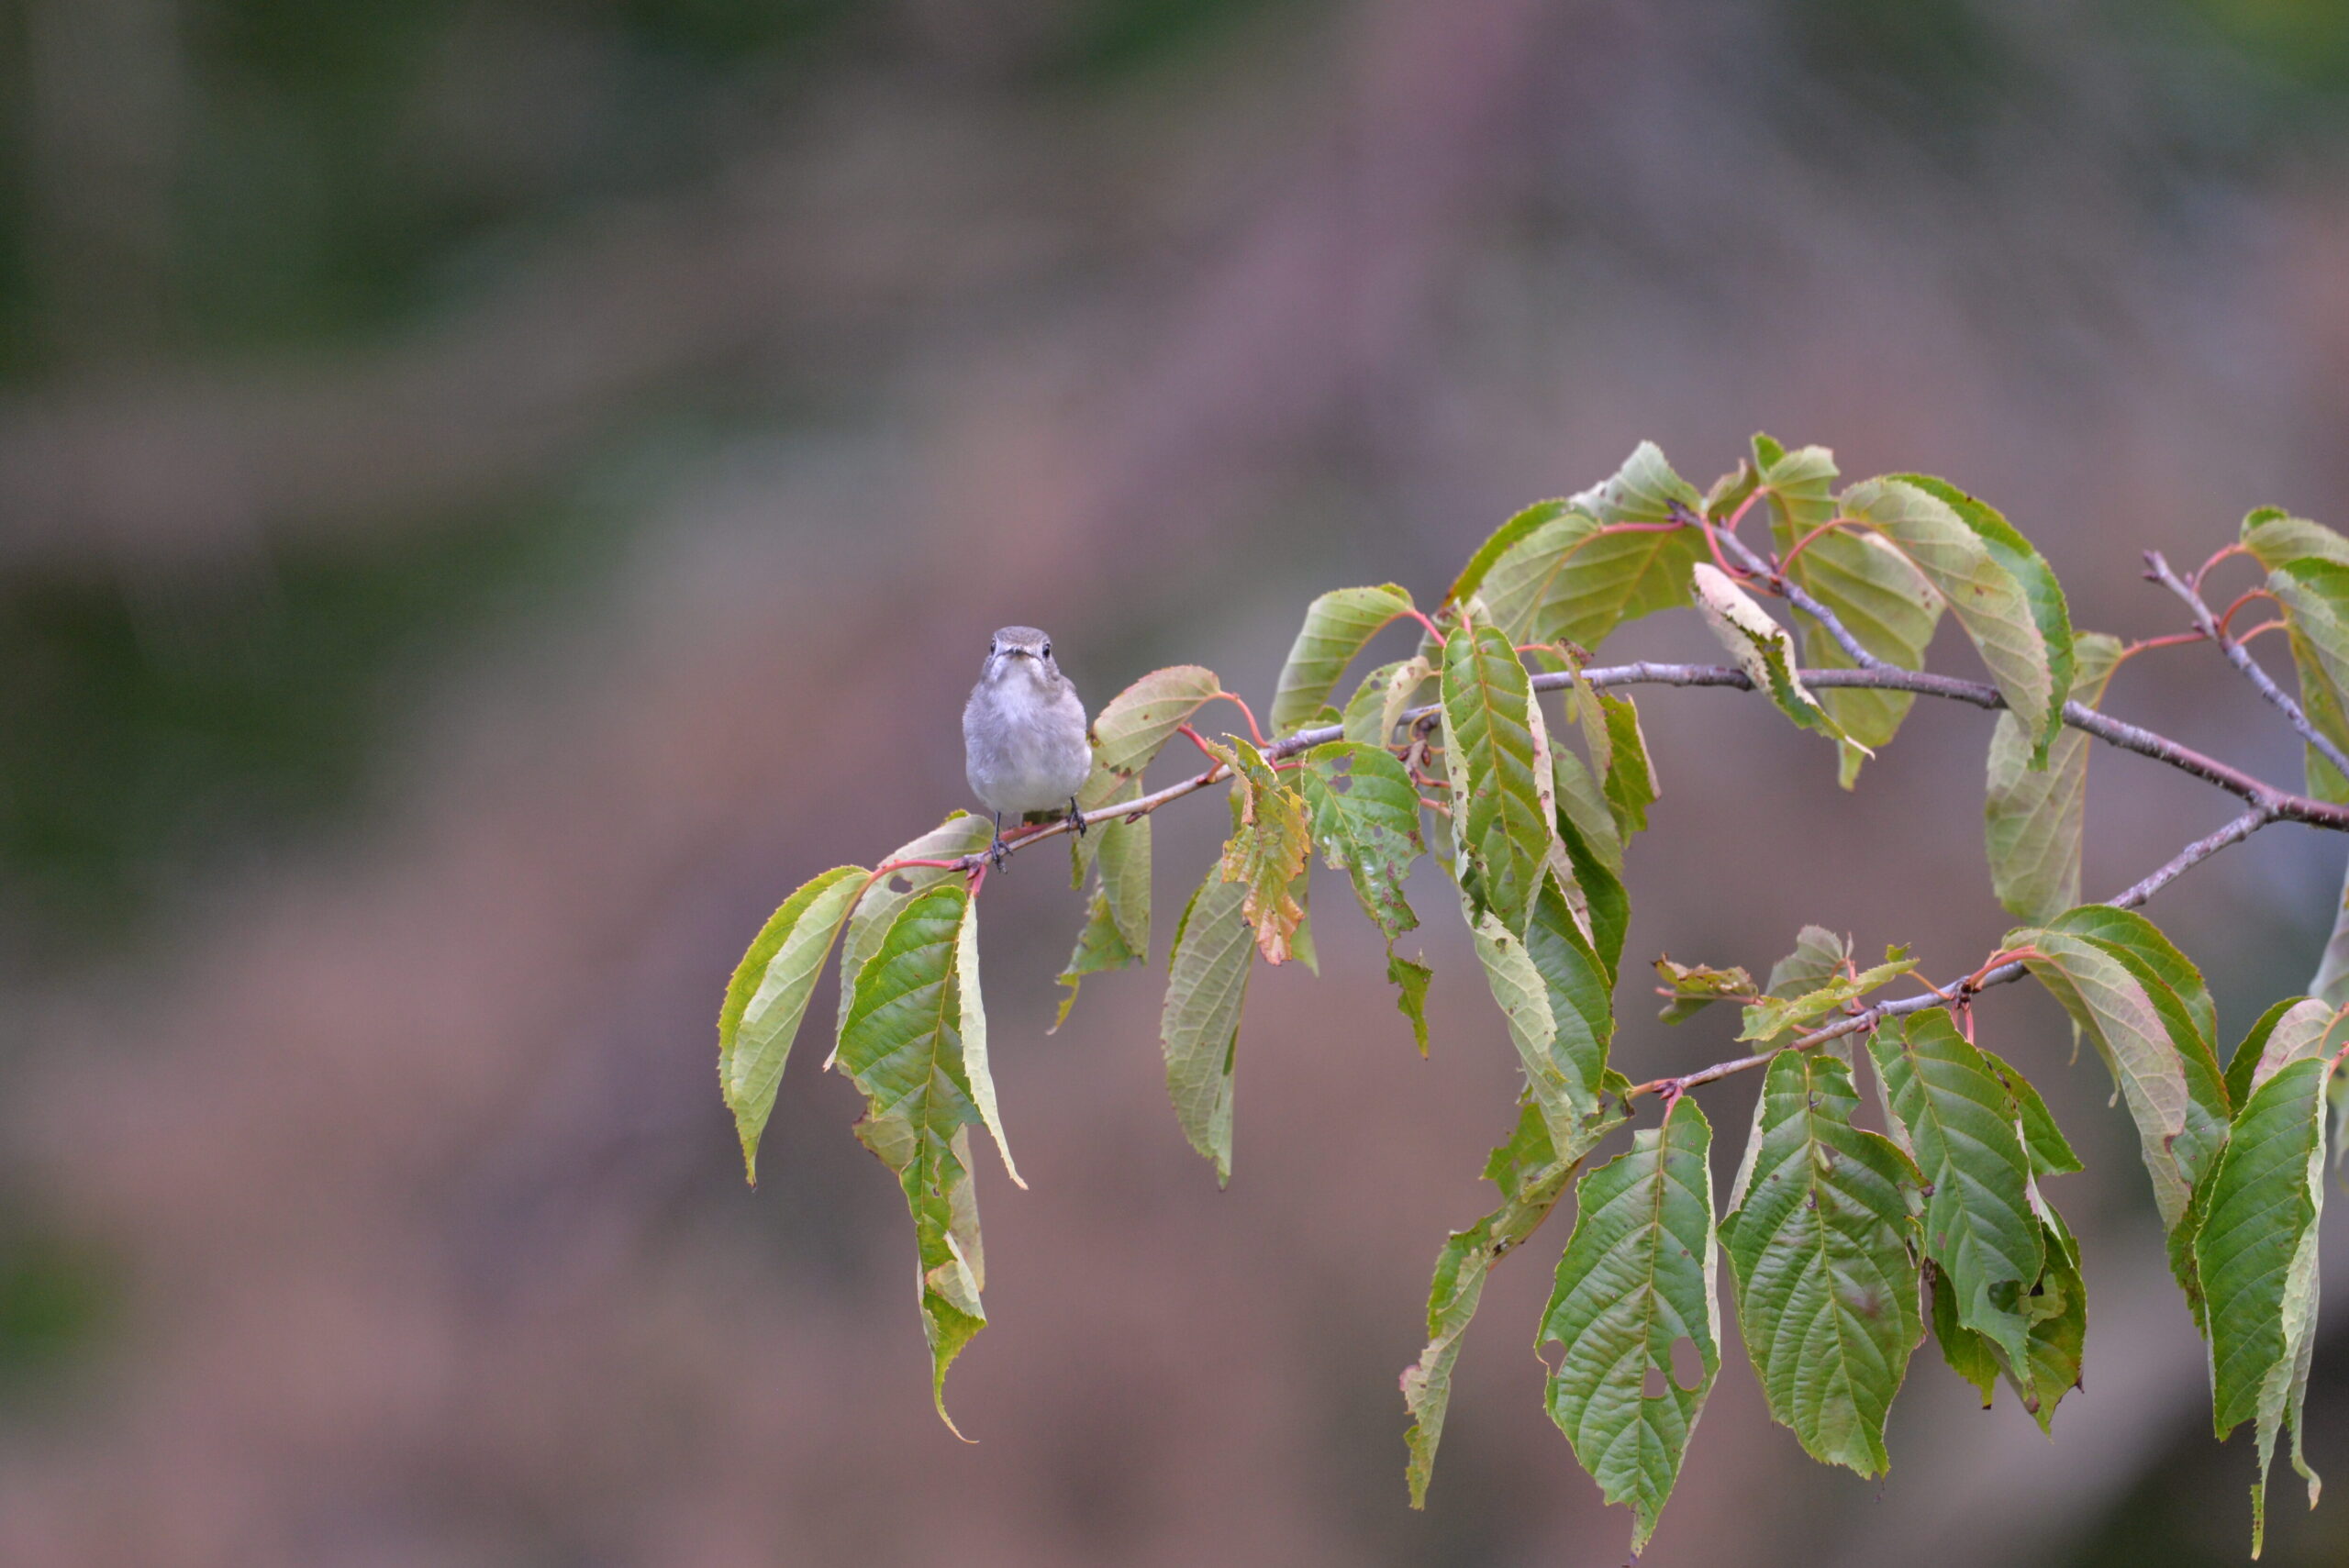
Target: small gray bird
{"x": 1023, "y": 733}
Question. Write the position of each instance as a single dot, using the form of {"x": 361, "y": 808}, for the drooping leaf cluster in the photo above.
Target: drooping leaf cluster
{"x": 1845, "y": 1244}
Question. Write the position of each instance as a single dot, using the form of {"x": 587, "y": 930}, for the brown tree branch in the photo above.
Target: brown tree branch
{"x": 2158, "y": 571}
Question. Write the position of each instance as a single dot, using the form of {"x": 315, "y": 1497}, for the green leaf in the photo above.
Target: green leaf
{"x": 1366, "y": 815}
{"x": 1372, "y": 712}
{"x": 2031, "y": 821}
{"x": 1472, "y": 577}
{"x": 1206, "y": 982}
{"x": 961, "y": 834}
{"x": 1493, "y": 739}
{"x": 1132, "y": 726}
{"x": 1762, "y": 649}
{"x": 1267, "y": 850}
{"x": 1575, "y": 576}
{"x": 2002, "y": 592}
{"x": 972, "y": 1021}
{"x": 2121, "y": 987}
{"x": 1618, "y": 750}
{"x": 1337, "y": 626}
{"x": 1968, "y": 1353}
{"x": 1099, "y": 946}
{"x": 2314, "y": 594}
{"x": 1878, "y": 594}
{"x": 1410, "y": 981}
{"x": 2120, "y": 1007}
{"x": 1596, "y": 894}
{"x": 1533, "y": 1173}
{"x": 1637, "y": 1277}
{"x": 2049, "y": 1150}
{"x": 1692, "y": 987}
{"x": 2141, "y": 940}
{"x": 1979, "y": 1224}
{"x": 1819, "y": 1238}
{"x": 1818, "y": 957}
{"x": 1552, "y": 989}
{"x": 2257, "y": 1254}
{"x": 902, "y": 1047}
{"x": 2292, "y": 1030}
{"x": 2275, "y": 536}
{"x": 1776, "y": 1015}
{"x": 1581, "y": 802}
{"x": 768, "y": 997}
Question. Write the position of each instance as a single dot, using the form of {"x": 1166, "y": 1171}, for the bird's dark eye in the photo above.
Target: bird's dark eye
{"x": 1048, "y": 651}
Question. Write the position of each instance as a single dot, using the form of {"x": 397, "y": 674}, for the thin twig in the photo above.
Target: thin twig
{"x": 2157, "y": 570}
{"x": 2281, "y": 804}
{"x": 2201, "y": 849}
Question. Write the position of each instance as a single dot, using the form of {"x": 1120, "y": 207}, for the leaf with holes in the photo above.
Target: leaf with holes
{"x": 1691, "y": 987}
{"x": 1775, "y": 1016}
{"x": 1636, "y": 1278}
{"x": 768, "y": 997}
{"x": 1493, "y": 740}
{"x": 1821, "y": 1243}
{"x": 1532, "y": 1172}
{"x": 1267, "y": 850}
{"x": 2257, "y": 1254}
{"x": 1206, "y": 982}
{"x": 2032, "y": 821}
{"x": 1961, "y": 1123}
{"x": 1365, "y": 816}
{"x": 1762, "y": 649}
{"x": 1337, "y": 626}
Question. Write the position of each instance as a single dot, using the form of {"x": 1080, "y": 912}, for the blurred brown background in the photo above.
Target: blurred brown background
{"x": 493, "y": 493}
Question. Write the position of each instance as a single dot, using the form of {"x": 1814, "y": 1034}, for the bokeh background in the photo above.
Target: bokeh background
{"x": 493, "y": 493}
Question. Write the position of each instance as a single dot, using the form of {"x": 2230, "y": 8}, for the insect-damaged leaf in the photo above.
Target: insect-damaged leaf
{"x": 1776, "y": 1015}
{"x": 1366, "y": 815}
{"x": 1961, "y": 1122}
{"x": 1691, "y": 987}
{"x": 1337, "y": 626}
{"x": 1266, "y": 852}
{"x": 1821, "y": 1243}
{"x": 2003, "y": 593}
{"x": 1878, "y": 593}
{"x": 2257, "y": 1256}
{"x": 1532, "y": 1172}
{"x": 2031, "y": 821}
{"x": 1762, "y": 649}
{"x": 2055, "y": 1315}
{"x": 1132, "y": 726}
{"x": 1200, "y": 1028}
{"x": 904, "y": 1047}
{"x": 1497, "y": 754}
{"x": 1637, "y": 1277}
{"x": 768, "y": 997}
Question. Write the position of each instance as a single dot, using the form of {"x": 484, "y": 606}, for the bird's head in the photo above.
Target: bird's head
{"x": 1021, "y": 653}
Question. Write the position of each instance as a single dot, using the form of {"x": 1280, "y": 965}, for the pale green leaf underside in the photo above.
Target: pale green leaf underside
{"x": 768, "y": 997}
{"x": 2032, "y": 821}
{"x": 1337, "y": 627}
{"x": 1200, "y": 1028}
{"x": 1133, "y": 725}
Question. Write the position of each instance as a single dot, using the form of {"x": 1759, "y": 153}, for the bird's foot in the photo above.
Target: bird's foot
{"x": 1075, "y": 818}
{"x": 997, "y": 852}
